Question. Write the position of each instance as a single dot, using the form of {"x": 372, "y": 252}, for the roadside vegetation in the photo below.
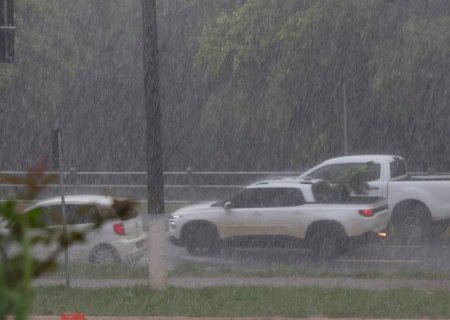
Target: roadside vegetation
{"x": 227, "y": 301}
{"x": 187, "y": 269}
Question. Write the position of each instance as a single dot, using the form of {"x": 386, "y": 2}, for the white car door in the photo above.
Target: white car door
{"x": 79, "y": 218}
{"x": 284, "y": 213}
{"x": 244, "y": 212}
{"x": 82, "y": 218}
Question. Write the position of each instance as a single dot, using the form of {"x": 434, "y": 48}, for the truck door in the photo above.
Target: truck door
{"x": 244, "y": 214}
{"x": 265, "y": 211}
{"x": 376, "y": 180}
{"x": 283, "y": 213}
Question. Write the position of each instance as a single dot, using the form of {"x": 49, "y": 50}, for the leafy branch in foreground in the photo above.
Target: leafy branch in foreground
{"x": 21, "y": 232}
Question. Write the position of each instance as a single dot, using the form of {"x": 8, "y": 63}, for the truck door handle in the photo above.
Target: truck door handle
{"x": 297, "y": 212}
{"x": 256, "y": 214}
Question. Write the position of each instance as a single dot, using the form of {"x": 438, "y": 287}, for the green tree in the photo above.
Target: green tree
{"x": 283, "y": 64}
{"x": 412, "y": 86}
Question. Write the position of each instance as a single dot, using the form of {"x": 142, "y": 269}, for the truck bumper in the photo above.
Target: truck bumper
{"x": 176, "y": 242}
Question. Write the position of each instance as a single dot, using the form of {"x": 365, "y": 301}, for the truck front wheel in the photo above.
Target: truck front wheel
{"x": 326, "y": 240}
{"x": 412, "y": 223}
{"x": 201, "y": 239}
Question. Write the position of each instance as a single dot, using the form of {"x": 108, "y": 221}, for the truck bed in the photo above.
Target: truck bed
{"x": 427, "y": 177}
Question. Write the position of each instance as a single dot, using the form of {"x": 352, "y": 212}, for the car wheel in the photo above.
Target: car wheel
{"x": 202, "y": 240}
{"x": 412, "y": 223}
{"x": 325, "y": 246}
{"x": 326, "y": 241}
{"x": 103, "y": 255}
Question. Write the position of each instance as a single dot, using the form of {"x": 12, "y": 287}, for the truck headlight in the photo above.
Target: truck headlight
{"x": 172, "y": 220}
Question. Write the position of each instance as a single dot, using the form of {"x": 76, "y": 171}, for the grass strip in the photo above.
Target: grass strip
{"x": 230, "y": 301}
{"x": 87, "y": 271}
{"x": 188, "y": 269}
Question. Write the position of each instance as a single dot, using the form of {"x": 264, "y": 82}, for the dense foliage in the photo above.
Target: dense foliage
{"x": 246, "y": 84}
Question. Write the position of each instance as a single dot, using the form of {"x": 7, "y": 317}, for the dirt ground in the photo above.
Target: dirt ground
{"x": 195, "y": 318}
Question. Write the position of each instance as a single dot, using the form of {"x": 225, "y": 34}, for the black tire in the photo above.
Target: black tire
{"x": 103, "y": 255}
{"x": 326, "y": 241}
{"x": 412, "y": 223}
{"x": 201, "y": 239}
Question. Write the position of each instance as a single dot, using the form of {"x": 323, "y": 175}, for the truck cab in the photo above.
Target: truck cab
{"x": 419, "y": 205}
{"x": 382, "y": 168}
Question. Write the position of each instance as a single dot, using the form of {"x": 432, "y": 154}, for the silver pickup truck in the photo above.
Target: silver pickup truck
{"x": 419, "y": 205}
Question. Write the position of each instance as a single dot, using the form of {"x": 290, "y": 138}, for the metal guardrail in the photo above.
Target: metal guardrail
{"x": 180, "y": 186}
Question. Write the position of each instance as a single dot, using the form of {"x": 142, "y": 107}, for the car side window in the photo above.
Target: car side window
{"x": 373, "y": 172}
{"x": 247, "y": 198}
{"x": 52, "y": 215}
{"x": 268, "y": 198}
{"x": 328, "y": 171}
{"x": 80, "y": 214}
{"x": 75, "y": 214}
{"x": 286, "y": 197}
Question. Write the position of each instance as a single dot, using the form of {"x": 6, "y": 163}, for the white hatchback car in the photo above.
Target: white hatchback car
{"x": 115, "y": 240}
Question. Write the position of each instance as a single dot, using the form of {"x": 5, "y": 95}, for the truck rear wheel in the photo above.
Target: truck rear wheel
{"x": 412, "y": 223}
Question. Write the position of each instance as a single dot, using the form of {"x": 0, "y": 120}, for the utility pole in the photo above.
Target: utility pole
{"x": 7, "y": 29}
{"x": 58, "y": 158}
{"x": 345, "y": 119}
{"x": 155, "y": 181}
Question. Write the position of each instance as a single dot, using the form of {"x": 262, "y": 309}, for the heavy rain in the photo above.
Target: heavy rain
{"x": 225, "y": 158}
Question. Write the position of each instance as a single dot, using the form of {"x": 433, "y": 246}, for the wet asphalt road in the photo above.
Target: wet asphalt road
{"x": 372, "y": 257}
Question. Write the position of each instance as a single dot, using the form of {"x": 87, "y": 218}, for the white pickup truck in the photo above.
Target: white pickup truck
{"x": 419, "y": 205}
{"x": 277, "y": 213}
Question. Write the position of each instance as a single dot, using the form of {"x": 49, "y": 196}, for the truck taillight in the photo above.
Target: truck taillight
{"x": 119, "y": 228}
{"x": 366, "y": 212}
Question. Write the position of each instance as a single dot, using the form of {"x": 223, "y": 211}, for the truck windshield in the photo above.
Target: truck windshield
{"x": 333, "y": 169}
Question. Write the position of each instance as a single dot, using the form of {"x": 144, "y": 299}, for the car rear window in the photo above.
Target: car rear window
{"x": 111, "y": 213}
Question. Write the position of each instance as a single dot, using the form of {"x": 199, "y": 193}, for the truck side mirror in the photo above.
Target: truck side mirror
{"x": 227, "y": 205}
